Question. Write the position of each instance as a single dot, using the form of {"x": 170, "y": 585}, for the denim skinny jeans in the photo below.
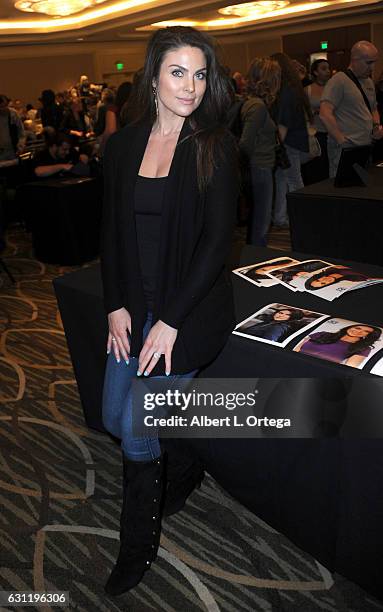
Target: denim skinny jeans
{"x": 117, "y": 404}
{"x": 289, "y": 179}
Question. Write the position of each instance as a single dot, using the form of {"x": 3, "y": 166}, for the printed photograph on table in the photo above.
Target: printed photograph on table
{"x": 342, "y": 341}
{"x": 333, "y": 281}
{"x": 295, "y": 275}
{"x": 377, "y": 369}
{"x": 257, "y": 273}
{"x": 278, "y": 324}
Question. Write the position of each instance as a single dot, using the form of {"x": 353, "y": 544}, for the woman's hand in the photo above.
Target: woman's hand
{"x": 159, "y": 341}
{"x": 354, "y": 361}
{"x": 119, "y": 326}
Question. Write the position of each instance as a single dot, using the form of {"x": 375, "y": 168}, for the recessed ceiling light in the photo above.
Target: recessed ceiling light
{"x": 253, "y": 8}
{"x": 55, "y": 8}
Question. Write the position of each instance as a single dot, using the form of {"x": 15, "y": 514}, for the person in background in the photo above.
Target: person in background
{"x": 291, "y": 112}
{"x": 302, "y": 73}
{"x": 351, "y": 118}
{"x": 12, "y": 136}
{"x": 240, "y": 83}
{"x": 317, "y": 169}
{"x": 105, "y": 102}
{"x": 57, "y": 158}
{"x": 258, "y": 143}
{"x": 122, "y": 99}
{"x": 75, "y": 121}
{"x": 113, "y": 113}
{"x": 51, "y": 113}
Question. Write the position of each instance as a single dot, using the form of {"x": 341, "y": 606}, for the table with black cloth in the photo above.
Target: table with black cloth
{"x": 343, "y": 222}
{"x": 325, "y": 494}
{"x": 64, "y": 216}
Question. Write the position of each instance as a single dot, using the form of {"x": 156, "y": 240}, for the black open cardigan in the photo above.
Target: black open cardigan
{"x": 193, "y": 291}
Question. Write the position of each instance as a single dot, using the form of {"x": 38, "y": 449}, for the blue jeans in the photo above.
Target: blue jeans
{"x": 117, "y": 404}
{"x": 285, "y": 181}
{"x": 262, "y": 187}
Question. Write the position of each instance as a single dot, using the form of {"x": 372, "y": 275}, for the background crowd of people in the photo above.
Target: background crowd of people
{"x": 278, "y": 111}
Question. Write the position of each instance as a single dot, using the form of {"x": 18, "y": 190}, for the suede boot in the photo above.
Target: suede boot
{"x": 184, "y": 473}
{"x": 140, "y": 532}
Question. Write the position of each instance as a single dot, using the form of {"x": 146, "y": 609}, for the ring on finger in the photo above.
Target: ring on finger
{"x": 114, "y": 339}
{"x": 157, "y": 355}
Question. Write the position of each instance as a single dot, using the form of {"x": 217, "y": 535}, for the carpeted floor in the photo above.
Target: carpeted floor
{"x": 60, "y": 491}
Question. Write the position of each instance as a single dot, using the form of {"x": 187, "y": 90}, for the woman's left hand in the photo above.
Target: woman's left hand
{"x": 159, "y": 341}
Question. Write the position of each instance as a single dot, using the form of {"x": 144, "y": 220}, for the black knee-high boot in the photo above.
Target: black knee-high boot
{"x": 184, "y": 473}
{"x": 140, "y": 532}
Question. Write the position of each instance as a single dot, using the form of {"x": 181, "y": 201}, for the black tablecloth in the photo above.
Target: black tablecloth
{"x": 326, "y": 495}
{"x": 339, "y": 222}
{"x": 64, "y": 216}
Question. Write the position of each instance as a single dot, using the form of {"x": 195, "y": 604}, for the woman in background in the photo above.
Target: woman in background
{"x": 258, "y": 143}
{"x": 317, "y": 169}
{"x": 291, "y": 111}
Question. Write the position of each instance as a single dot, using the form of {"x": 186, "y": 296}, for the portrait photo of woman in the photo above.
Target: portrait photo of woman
{"x": 293, "y": 276}
{"x": 350, "y": 344}
{"x": 257, "y": 273}
{"x": 333, "y": 281}
{"x": 277, "y": 323}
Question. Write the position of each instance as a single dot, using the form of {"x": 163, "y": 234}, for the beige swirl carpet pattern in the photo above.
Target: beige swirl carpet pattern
{"x": 60, "y": 488}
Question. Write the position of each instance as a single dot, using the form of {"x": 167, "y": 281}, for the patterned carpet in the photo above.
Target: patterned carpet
{"x": 60, "y": 489}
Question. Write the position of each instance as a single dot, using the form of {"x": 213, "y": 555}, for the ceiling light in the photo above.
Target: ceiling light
{"x": 55, "y": 8}
{"x": 254, "y": 8}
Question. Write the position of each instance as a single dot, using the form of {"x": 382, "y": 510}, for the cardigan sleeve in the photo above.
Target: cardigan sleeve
{"x": 214, "y": 244}
{"x": 113, "y": 299}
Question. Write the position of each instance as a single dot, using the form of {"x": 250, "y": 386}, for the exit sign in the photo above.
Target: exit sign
{"x": 119, "y": 66}
{"x": 324, "y": 45}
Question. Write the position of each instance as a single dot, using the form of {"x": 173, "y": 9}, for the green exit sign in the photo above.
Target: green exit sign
{"x": 119, "y": 66}
{"x": 324, "y": 45}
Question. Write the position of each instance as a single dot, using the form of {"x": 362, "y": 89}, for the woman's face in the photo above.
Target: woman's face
{"x": 324, "y": 281}
{"x": 322, "y": 73}
{"x": 181, "y": 83}
{"x": 359, "y": 331}
{"x": 282, "y": 315}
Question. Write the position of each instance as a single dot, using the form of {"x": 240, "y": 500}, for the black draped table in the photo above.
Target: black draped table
{"x": 325, "y": 494}
{"x": 343, "y": 222}
{"x": 64, "y": 217}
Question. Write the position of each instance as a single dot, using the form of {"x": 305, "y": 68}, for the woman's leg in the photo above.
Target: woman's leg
{"x": 280, "y": 218}
{"x": 262, "y": 186}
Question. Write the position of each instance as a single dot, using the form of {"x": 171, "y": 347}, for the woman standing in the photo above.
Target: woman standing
{"x": 317, "y": 169}
{"x": 171, "y": 188}
{"x": 292, "y": 112}
{"x": 258, "y": 143}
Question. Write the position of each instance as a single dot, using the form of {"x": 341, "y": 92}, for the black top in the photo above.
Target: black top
{"x": 148, "y": 198}
{"x": 193, "y": 292}
{"x": 291, "y": 114}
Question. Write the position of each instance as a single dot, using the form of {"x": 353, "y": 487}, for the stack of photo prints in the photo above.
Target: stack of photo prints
{"x": 338, "y": 340}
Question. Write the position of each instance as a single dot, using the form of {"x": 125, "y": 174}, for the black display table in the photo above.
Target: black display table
{"x": 64, "y": 216}
{"x": 326, "y": 495}
{"x": 339, "y": 222}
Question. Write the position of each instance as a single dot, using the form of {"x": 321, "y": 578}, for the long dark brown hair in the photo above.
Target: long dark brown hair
{"x": 355, "y": 347}
{"x": 264, "y": 79}
{"x": 290, "y": 78}
{"x": 208, "y": 120}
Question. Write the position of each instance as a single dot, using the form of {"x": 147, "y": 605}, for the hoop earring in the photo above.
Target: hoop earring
{"x": 154, "y": 90}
